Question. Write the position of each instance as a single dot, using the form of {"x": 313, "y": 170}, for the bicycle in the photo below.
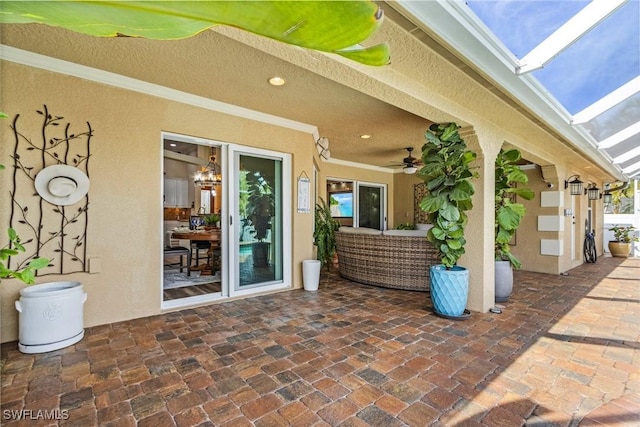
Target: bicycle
{"x": 590, "y": 255}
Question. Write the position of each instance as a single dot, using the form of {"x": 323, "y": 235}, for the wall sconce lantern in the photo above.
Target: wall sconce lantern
{"x": 575, "y": 186}
{"x": 608, "y": 198}
{"x": 593, "y": 192}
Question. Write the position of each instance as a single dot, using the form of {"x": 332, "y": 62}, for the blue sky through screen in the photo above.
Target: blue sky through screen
{"x": 600, "y": 62}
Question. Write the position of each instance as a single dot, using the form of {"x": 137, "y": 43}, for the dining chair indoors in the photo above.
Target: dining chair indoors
{"x": 182, "y": 252}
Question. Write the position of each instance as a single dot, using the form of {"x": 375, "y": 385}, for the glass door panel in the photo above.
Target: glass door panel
{"x": 371, "y": 206}
{"x": 193, "y": 269}
{"x": 262, "y": 202}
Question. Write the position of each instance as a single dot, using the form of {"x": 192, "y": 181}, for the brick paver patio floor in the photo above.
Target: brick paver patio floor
{"x": 564, "y": 348}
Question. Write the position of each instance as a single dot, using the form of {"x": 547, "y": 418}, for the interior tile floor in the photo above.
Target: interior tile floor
{"x": 564, "y": 352}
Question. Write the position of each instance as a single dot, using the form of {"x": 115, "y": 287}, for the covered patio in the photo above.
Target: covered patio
{"x": 563, "y": 352}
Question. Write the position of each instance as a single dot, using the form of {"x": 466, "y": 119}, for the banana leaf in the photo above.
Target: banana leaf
{"x": 329, "y": 26}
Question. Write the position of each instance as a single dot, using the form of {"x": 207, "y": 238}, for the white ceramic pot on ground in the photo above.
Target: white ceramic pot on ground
{"x": 311, "y": 274}
{"x": 50, "y": 316}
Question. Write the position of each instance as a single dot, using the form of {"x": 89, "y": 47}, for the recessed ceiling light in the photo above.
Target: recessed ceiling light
{"x": 365, "y": 136}
{"x": 276, "y": 81}
{"x": 173, "y": 145}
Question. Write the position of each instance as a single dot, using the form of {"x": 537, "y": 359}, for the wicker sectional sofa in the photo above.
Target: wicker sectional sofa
{"x": 398, "y": 259}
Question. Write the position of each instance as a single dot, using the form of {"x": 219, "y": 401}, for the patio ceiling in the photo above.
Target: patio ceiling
{"x": 574, "y": 64}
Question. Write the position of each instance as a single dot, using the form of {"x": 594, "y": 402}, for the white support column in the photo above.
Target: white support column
{"x": 479, "y": 256}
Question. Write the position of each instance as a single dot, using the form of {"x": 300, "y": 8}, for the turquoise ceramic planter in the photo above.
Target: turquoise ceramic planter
{"x": 449, "y": 289}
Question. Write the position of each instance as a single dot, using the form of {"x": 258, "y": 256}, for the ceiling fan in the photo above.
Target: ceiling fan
{"x": 409, "y": 164}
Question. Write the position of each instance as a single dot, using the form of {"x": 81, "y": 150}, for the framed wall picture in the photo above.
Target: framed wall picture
{"x": 304, "y": 194}
{"x": 341, "y": 204}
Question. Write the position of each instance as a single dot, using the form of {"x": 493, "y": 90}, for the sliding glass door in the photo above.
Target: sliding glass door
{"x": 261, "y": 214}
{"x": 246, "y": 247}
{"x": 371, "y": 205}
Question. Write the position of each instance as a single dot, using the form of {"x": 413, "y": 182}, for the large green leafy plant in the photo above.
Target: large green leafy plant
{"x": 330, "y": 26}
{"x": 624, "y": 233}
{"x": 509, "y": 213}
{"x": 261, "y": 205}
{"x": 447, "y": 175}
{"x": 14, "y": 247}
{"x": 324, "y": 235}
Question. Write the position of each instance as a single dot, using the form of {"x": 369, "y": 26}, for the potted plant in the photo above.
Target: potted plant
{"x": 50, "y": 314}
{"x": 405, "y": 226}
{"x": 14, "y": 247}
{"x": 508, "y": 215}
{"x": 625, "y": 236}
{"x": 447, "y": 176}
{"x": 324, "y": 233}
{"x": 211, "y": 221}
{"x": 324, "y": 239}
{"x": 260, "y": 211}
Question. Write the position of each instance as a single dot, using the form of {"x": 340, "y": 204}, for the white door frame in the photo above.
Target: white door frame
{"x": 573, "y": 228}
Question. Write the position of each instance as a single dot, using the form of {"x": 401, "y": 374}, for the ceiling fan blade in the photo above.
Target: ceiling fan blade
{"x": 408, "y": 162}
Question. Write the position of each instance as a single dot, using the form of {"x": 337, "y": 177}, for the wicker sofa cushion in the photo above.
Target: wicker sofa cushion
{"x": 423, "y": 226}
{"x": 360, "y": 230}
{"x": 414, "y": 233}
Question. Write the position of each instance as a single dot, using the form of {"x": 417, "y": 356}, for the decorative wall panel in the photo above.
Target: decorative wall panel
{"x": 57, "y": 231}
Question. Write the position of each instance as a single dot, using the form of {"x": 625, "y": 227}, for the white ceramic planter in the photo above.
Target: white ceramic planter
{"x": 311, "y": 274}
{"x": 50, "y": 316}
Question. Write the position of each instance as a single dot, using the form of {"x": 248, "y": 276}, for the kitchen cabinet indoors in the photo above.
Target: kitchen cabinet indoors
{"x": 176, "y": 193}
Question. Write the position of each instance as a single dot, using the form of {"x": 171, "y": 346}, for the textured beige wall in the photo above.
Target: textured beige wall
{"x": 527, "y": 248}
{"x": 403, "y": 196}
{"x": 125, "y": 211}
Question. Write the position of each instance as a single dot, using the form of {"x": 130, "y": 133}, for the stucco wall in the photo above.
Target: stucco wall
{"x": 403, "y": 196}
{"x": 527, "y": 243}
{"x": 125, "y": 210}
{"x": 527, "y": 247}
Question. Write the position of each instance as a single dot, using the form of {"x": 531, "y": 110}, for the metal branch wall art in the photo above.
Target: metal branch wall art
{"x": 49, "y": 199}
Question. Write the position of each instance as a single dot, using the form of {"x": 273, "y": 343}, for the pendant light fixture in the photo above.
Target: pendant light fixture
{"x": 209, "y": 175}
